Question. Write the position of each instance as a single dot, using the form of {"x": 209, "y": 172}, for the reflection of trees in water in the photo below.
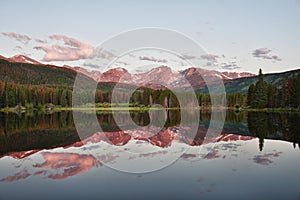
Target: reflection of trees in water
{"x": 42, "y": 131}
{"x": 11, "y": 123}
{"x": 235, "y": 116}
{"x": 284, "y": 126}
{"x": 35, "y": 131}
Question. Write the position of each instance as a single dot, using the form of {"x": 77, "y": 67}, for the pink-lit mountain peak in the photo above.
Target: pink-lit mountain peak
{"x": 162, "y": 75}
{"x": 117, "y": 70}
{"x": 23, "y": 59}
{"x": 223, "y": 75}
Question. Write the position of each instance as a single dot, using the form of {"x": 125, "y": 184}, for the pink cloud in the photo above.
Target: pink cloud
{"x": 19, "y": 37}
{"x": 72, "y": 49}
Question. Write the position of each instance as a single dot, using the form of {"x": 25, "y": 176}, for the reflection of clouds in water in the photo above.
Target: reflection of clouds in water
{"x": 188, "y": 156}
{"x": 18, "y": 176}
{"x": 92, "y": 147}
{"x": 230, "y": 146}
{"x": 221, "y": 150}
{"x": 69, "y": 164}
{"x": 61, "y": 165}
{"x": 152, "y": 154}
{"x": 108, "y": 158}
{"x": 57, "y": 166}
{"x": 266, "y": 159}
{"x": 211, "y": 155}
{"x": 206, "y": 187}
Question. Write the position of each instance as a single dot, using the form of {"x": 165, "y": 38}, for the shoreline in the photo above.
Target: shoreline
{"x": 143, "y": 108}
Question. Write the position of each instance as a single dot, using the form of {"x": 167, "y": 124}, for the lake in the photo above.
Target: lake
{"x": 255, "y": 155}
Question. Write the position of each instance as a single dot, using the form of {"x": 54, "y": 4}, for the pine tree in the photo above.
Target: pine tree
{"x": 272, "y": 96}
{"x": 295, "y": 94}
{"x": 251, "y": 95}
{"x": 260, "y": 95}
{"x": 283, "y": 100}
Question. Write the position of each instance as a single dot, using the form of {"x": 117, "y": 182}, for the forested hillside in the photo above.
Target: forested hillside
{"x": 241, "y": 85}
{"x": 266, "y": 95}
{"x": 31, "y": 74}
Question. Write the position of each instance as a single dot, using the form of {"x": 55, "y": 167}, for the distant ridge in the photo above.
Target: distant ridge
{"x": 24, "y": 70}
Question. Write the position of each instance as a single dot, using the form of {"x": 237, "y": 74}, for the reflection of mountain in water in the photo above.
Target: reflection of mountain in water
{"x": 26, "y": 134}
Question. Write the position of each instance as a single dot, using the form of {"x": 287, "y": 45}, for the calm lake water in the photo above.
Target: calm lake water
{"x": 256, "y": 156}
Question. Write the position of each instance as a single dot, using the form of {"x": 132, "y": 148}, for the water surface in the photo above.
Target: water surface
{"x": 255, "y": 156}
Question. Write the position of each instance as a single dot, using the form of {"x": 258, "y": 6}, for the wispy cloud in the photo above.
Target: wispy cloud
{"x": 229, "y": 66}
{"x": 210, "y": 57}
{"x": 122, "y": 62}
{"x": 18, "y": 48}
{"x": 152, "y": 59}
{"x": 188, "y": 57}
{"x": 72, "y": 49}
{"x": 221, "y": 62}
{"x": 102, "y": 53}
{"x": 19, "y": 37}
{"x": 264, "y": 53}
{"x": 41, "y": 41}
{"x": 91, "y": 65}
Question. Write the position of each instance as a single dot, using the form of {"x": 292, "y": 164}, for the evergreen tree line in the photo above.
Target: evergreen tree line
{"x": 265, "y": 95}
{"x": 32, "y": 96}
{"x": 12, "y": 94}
{"x": 168, "y": 99}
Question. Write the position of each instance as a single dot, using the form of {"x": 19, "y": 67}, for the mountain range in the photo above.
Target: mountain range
{"x": 162, "y": 76}
{"x": 25, "y": 70}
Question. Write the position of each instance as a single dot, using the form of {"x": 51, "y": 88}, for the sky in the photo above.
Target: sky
{"x": 235, "y": 35}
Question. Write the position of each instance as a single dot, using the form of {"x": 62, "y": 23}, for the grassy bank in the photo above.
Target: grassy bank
{"x": 271, "y": 110}
{"x": 136, "y": 108}
{"x": 58, "y": 109}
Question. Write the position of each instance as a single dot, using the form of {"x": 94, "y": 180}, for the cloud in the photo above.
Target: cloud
{"x": 19, "y": 37}
{"x": 260, "y": 52}
{"x": 275, "y": 58}
{"x": 214, "y": 61}
{"x": 18, "y": 48}
{"x": 209, "y": 64}
{"x": 210, "y": 57}
{"x": 188, "y": 57}
{"x": 264, "y": 53}
{"x": 91, "y": 65}
{"x": 102, "y": 53}
{"x": 122, "y": 63}
{"x": 229, "y": 66}
{"x": 41, "y": 41}
{"x": 72, "y": 49}
{"x": 152, "y": 59}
